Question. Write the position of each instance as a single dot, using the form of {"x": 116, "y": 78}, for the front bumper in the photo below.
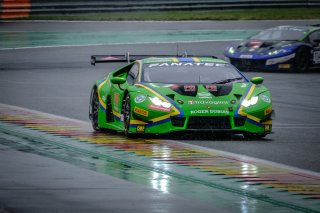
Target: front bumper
{"x": 234, "y": 124}
{"x": 259, "y": 65}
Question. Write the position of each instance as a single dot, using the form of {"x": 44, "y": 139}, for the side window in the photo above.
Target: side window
{"x": 133, "y": 74}
{"x": 313, "y": 37}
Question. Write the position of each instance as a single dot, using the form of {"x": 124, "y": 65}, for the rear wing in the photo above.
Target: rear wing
{"x": 130, "y": 58}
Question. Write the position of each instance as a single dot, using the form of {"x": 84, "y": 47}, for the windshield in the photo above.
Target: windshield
{"x": 190, "y": 72}
{"x": 287, "y": 34}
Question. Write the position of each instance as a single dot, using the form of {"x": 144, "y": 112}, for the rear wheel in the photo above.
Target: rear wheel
{"x": 127, "y": 116}
{"x": 301, "y": 60}
{"x": 95, "y": 110}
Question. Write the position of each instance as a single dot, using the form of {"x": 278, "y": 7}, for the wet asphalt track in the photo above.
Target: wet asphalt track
{"x": 58, "y": 81}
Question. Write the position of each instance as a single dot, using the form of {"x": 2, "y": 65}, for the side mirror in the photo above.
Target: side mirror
{"x": 118, "y": 80}
{"x": 257, "y": 80}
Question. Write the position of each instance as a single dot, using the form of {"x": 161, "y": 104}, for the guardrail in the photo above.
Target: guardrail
{"x": 24, "y": 8}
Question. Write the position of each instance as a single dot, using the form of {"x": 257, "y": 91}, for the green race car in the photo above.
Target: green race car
{"x": 159, "y": 95}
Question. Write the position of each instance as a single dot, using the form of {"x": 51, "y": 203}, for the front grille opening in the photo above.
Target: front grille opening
{"x": 239, "y": 121}
{"x": 209, "y": 122}
{"x": 177, "y": 121}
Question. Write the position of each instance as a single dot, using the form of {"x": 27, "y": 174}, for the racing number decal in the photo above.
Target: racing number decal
{"x": 316, "y": 57}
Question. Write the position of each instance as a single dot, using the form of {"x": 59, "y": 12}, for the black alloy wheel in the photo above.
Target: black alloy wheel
{"x": 95, "y": 110}
{"x": 127, "y": 116}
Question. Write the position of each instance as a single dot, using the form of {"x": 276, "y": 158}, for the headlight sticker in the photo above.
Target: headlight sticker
{"x": 140, "y": 99}
{"x": 265, "y": 98}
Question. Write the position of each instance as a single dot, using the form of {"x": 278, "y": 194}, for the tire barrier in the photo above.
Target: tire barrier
{"x": 24, "y": 8}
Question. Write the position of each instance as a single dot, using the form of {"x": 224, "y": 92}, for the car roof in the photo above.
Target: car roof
{"x": 182, "y": 59}
{"x": 289, "y": 27}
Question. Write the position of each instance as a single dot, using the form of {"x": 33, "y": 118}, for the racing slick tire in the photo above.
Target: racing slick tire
{"x": 301, "y": 60}
{"x": 127, "y": 116}
{"x": 94, "y": 114}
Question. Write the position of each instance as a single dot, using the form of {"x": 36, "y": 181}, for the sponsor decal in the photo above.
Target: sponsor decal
{"x": 211, "y": 88}
{"x": 265, "y": 98}
{"x": 207, "y": 111}
{"x": 246, "y": 56}
{"x": 316, "y": 57}
{"x": 189, "y": 88}
{"x": 141, "y": 128}
{"x": 154, "y": 107}
{"x": 109, "y": 58}
{"x": 204, "y": 95}
{"x": 140, "y": 111}
{"x": 140, "y": 99}
{"x": 207, "y": 102}
{"x": 187, "y": 64}
{"x": 116, "y": 98}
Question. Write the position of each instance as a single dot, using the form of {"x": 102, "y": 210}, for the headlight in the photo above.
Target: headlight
{"x": 156, "y": 101}
{"x": 252, "y": 101}
{"x": 275, "y": 52}
{"x": 231, "y": 50}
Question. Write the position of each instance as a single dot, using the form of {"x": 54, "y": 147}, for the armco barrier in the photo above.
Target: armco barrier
{"x": 22, "y": 8}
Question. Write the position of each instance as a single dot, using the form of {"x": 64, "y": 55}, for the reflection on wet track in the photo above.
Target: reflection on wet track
{"x": 232, "y": 182}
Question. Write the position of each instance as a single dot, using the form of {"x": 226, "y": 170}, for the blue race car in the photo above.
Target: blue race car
{"x": 293, "y": 48}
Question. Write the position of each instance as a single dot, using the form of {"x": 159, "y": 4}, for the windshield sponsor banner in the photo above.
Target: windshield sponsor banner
{"x": 188, "y": 64}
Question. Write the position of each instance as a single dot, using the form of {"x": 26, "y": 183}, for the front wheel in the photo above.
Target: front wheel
{"x": 95, "y": 110}
{"x": 127, "y": 116}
